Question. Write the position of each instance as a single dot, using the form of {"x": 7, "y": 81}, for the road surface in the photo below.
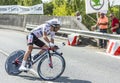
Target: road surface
{"x": 84, "y": 64}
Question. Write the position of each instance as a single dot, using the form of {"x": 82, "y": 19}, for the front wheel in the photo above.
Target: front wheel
{"x": 13, "y": 62}
{"x": 51, "y": 73}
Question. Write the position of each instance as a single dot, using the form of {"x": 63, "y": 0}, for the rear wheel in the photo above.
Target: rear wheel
{"x": 13, "y": 62}
{"x": 46, "y": 72}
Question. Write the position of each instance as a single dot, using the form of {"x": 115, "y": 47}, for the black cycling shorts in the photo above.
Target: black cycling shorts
{"x": 32, "y": 39}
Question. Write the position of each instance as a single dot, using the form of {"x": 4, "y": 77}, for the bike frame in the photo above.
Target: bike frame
{"x": 46, "y": 53}
{"x": 38, "y": 58}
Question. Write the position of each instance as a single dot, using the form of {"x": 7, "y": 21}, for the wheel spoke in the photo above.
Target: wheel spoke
{"x": 48, "y": 73}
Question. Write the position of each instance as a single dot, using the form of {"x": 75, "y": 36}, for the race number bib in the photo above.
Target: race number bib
{"x": 30, "y": 38}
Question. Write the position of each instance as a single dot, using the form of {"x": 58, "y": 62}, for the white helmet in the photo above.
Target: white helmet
{"x": 54, "y": 22}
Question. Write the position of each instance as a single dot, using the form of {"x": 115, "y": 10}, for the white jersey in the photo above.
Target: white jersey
{"x": 39, "y": 31}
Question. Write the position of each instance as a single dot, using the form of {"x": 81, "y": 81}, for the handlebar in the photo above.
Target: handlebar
{"x": 50, "y": 48}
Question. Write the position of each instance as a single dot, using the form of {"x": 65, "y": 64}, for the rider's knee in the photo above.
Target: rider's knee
{"x": 45, "y": 47}
{"x": 29, "y": 50}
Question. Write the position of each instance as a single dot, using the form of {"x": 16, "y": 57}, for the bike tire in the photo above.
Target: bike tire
{"x": 43, "y": 64}
{"x": 12, "y": 68}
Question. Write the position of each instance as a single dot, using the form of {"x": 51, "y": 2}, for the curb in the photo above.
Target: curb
{"x": 12, "y": 28}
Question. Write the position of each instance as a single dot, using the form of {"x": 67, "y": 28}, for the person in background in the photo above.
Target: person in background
{"x": 78, "y": 16}
{"x": 114, "y": 24}
{"x": 102, "y": 24}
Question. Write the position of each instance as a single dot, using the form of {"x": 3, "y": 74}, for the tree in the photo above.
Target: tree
{"x": 20, "y": 2}
{"x": 34, "y": 2}
{"x": 59, "y": 8}
{"x": 8, "y": 2}
{"x": 28, "y": 2}
{"x": 48, "y": 8}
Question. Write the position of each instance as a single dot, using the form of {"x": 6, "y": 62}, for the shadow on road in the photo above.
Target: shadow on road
{"x": 67, "y": 80}
{"x": 29, "y": 77}
{"x": 59, "y": 80}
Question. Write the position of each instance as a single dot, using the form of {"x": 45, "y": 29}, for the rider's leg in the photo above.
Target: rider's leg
{"x": 31, "y": 38}
{"x": 27, "y": 53}
{"x": 40, "y": 44}
{"x": 43, "y": 49}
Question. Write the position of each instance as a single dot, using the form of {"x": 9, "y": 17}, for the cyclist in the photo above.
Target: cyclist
{"x": 48, "y": 28}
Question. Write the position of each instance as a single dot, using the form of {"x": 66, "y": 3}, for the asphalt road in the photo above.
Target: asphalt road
{"x": 84, "y": 64}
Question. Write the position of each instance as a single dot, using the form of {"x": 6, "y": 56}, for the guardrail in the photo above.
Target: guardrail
{"x": 97, "y": 35}
{"x": 29, "y": 27}
{"x": 92, "y": 34}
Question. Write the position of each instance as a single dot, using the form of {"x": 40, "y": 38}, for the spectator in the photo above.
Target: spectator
{"x": 78, "y": 16}
{"x": 114, "y": 24}
{"x": 102, "y": 24}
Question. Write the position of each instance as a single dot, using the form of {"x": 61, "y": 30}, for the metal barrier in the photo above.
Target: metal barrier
{"x": 92, "y": 34}
{"x": 29, "y": 27}
{"x": 97, "y": 35}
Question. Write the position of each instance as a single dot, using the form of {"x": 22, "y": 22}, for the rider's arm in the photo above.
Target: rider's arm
{"x": 45, "y": 37}
{"x": 52, "y": 37}
{"x": 52, "y": 40}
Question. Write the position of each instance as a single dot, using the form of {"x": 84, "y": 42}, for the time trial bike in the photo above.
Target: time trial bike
{"x": 51, "y": 63}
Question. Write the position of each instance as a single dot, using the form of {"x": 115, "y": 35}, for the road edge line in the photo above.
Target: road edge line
{"x": 3, "y": 52}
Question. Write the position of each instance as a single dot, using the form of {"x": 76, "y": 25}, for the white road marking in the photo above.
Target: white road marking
{"x": 3, "y": 52}
{"x": 106, "y": 54}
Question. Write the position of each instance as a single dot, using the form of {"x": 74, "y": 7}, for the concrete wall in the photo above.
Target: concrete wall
{"x": 15, "y": 20}
{"x": 21, "y": 20}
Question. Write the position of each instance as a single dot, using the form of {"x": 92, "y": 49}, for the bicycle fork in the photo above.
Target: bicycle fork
{"x": 50, "y": 60}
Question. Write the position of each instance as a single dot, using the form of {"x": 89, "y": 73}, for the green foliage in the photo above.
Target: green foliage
{"x": 34, "y": 2}
{"x": 116, "y": 11}
{"x": 59, "y": 8}
{"x": 20, "y": 2}
{"x": 27, "y": 2}
{"x": 8, "y": 2}
{"x": 48, "y": 8}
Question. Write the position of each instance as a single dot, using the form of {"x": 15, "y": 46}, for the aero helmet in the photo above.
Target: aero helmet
{"x": 54, "y": 22}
